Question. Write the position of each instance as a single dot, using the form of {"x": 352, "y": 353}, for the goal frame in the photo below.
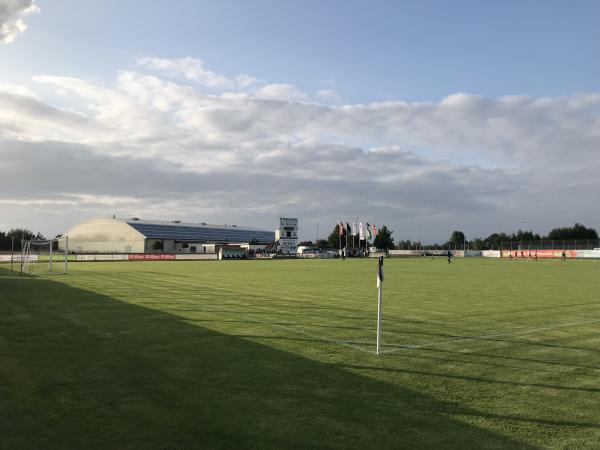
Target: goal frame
{"x": 27, "y": 256}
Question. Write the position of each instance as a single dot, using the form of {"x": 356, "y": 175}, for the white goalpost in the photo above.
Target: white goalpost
{"x": 45, "y": 255}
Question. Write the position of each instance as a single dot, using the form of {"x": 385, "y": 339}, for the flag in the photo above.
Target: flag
{"x": 348, "y": 229}
{"x": 368, "y": 234}
{"x": 374, "y": 230}
{"x": 380, "y": 272}
{"x": 353, "y": 228}
{"x": 361, "y": 231}
{"x": 342, "y": 231}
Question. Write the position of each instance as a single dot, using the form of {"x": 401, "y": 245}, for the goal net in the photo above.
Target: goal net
{"x": 45, "y": 255}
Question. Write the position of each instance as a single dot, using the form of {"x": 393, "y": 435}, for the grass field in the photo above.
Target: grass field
{"x": 480, "y": 354}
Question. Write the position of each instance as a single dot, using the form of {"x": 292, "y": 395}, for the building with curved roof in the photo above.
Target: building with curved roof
{"x": 115, "y": 235}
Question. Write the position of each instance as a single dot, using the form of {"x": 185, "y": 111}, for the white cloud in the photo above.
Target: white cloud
{"x": 244, "y": 81}
{"x": 152, "y": 147}
{"x": 328, "y": 95}
{"x": 11, "y": 18}
{"x": 17, "y": 90}
{"x": 188, "y": 68}
{"x": 280, "y": 91}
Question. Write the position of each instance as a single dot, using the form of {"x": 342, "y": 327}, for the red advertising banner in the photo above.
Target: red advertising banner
{"x": 525, "y": 254}
{"x": 152, "y": 257}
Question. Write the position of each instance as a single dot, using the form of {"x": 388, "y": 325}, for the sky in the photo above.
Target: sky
{"x": 425, "y": 116}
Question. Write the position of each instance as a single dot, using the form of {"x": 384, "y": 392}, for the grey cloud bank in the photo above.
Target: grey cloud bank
{"x": 154, "y": 147}
{"x": 11, "y": 18}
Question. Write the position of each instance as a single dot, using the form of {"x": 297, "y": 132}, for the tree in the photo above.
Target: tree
{"x": 522, "y": 235}
{"x": 384, "y": 239}
{"x": 457, "y": 238}
{"x": 477, "y": 244}
{"x": 577, "y": 231}
{"x": 158, "y": 246}
{"x": 404, "y": 245}
{"x": 495, "y": 240}
{"x": 322, "y": 244}
{"x": 334, "y": 238}
{"x": 18, "y": 234}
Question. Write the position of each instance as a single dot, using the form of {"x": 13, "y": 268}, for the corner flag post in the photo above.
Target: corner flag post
{"x": 379, "y": 301}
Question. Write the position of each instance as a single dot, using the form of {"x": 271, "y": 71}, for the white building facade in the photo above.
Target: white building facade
{"x": 287, "y": 235}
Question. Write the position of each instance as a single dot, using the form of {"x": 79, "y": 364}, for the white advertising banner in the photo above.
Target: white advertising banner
{"x": 195, "y": 256}
{"x": 102, "y": 257}
{"x": 405, "y": 253}
{"x": 588, "y": 253}
{"x": 17, "y": 258}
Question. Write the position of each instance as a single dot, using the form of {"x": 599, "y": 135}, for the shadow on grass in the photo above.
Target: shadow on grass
{"x": 83, "y": 370}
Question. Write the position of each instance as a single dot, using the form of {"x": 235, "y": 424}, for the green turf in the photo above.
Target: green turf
{"x": 279, "y": 354}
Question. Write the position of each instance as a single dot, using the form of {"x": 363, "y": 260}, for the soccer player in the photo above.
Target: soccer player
{"x": 449, "y": 256}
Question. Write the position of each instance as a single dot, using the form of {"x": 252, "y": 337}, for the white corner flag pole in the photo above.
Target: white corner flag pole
{"x": 379, "y": 301}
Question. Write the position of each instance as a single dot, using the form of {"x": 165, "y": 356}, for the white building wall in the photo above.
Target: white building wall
{"x": 287, "y": 235}
{"x": 105, "y": 235}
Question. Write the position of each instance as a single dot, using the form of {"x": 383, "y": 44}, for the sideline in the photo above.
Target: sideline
{"x": 459, "y": 339}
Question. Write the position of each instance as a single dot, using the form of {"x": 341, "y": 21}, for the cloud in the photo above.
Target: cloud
{"x": 328, "y": 95}
{"x": 152, "y": 147}
{"x": 11, "y": 18}
{"x": 188, "y": 68}
{"x": 244, "y": 81}
{"x": 280, "y": 91}
{"x": 17, "y": 90}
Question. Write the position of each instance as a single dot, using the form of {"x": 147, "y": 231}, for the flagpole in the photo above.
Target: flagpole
{"x": 340, "y": 237}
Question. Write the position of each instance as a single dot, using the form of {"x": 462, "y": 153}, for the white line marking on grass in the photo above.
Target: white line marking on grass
{"x": 350, "y": 344}
{"x": 345, "y": 343}
{"x": 401, "y": 347}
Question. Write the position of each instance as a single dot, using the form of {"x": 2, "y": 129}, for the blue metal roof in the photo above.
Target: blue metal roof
{"x": 183, "y": 232}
